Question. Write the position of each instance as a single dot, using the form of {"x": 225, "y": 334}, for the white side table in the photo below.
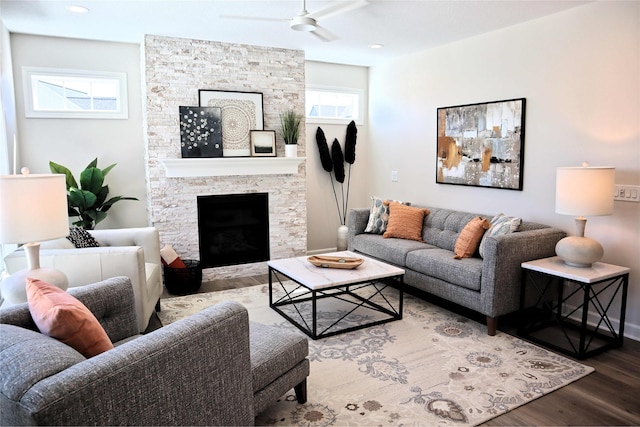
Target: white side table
{"x": 549, "y": 319}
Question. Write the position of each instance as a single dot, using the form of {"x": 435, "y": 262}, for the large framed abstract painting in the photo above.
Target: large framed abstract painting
{"x": 482, "y": 145}
{"x": 241, "y": 113}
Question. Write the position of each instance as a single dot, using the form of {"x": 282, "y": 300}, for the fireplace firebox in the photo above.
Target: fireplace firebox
{"x": 233, "y": 229}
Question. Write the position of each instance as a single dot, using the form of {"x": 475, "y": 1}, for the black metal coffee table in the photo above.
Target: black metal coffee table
{"x": 323, "y": 302}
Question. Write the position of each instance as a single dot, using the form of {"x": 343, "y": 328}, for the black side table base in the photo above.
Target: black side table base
{"x": 550, "y": 323}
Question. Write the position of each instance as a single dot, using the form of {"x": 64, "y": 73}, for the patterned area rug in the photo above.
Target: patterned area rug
{"x": 430, "y": 368}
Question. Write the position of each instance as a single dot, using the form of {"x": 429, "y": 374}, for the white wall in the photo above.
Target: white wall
{"x": 322, "y": 213}
{"x": 76, "y": 142}
{"x": 580, "y": 73}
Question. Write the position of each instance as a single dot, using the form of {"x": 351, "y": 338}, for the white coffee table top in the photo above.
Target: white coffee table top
{"x": 555, "y": 266}
{"x": 315, "y": 278}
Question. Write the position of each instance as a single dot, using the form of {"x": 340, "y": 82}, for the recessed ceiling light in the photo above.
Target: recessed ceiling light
{"x": 77, "y": 9}
{"x": 376, "y": 46}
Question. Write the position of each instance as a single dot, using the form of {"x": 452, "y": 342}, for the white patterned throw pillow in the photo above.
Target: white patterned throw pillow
{"x": 379, "y": 215}
{"x": 500, "y": 224}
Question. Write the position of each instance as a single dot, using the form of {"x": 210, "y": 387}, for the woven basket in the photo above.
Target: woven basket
{"x": 183, "y": 281}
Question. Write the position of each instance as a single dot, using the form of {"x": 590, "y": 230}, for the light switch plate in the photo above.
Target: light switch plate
{"x": 627, "y": 193}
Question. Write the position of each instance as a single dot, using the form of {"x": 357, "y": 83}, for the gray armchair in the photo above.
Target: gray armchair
{"x": 212, "y": 368}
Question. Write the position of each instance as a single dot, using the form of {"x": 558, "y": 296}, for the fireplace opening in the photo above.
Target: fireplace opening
{"x": 233, "y": 229}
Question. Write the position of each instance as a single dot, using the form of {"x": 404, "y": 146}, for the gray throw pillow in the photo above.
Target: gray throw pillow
{"x": 500, "y": 224}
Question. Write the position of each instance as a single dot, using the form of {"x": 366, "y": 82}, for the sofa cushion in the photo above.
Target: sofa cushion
{"x": 500, "y": 224}
{"x": 405, "y": 222}
{"x": 439, "y": 263}
{"x": 270, "y": 361}
{"x": 61, "y": 316}
{"x": 29, "y": 367}
{"x": 379, "y": 215}
{"x": 469, "y": 238}
{"x": 389, "y": 250}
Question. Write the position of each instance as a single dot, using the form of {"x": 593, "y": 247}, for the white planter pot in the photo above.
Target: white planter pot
{"x": 291, "y": 150}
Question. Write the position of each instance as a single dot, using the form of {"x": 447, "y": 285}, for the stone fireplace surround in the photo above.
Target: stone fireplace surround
{"x": 174, "y": 71}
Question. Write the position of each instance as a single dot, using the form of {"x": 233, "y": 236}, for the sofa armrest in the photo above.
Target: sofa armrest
{"x": 501, "y": 271}
{"x": 357, "y": 220}
{"x": 146, "y": 237}
{"x": 196, "y": 371}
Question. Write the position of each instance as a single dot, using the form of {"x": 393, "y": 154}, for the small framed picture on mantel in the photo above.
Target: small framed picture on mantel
{"x": 263, "y": 143}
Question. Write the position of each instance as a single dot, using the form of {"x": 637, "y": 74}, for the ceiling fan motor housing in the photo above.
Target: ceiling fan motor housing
{"x": 303, "y": 23}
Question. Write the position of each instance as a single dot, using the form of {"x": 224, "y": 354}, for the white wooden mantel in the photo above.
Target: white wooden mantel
{"x": 230, "y": 166}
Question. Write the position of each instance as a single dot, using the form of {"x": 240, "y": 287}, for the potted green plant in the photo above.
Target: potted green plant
{"x": 290, "y": 129}
{"x": 88, "y": 201}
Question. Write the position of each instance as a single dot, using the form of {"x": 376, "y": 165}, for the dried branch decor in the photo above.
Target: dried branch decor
{"x": 333, "y": 161}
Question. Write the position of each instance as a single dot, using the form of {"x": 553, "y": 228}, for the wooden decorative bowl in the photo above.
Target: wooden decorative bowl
{"x": 335, "y": 261}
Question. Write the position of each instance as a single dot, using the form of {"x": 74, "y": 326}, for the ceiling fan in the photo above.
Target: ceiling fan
{"x": 308, "y": 21}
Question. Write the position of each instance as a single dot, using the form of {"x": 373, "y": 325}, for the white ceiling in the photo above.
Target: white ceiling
{"x": 401, "y": 26}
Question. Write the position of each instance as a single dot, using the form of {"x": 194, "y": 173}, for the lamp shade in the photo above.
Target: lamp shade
{"x": 585, "y": 190}
{"x": 33, "y": 208}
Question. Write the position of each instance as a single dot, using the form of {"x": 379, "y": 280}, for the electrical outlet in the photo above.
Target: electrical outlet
{"x": 627, "y": 193}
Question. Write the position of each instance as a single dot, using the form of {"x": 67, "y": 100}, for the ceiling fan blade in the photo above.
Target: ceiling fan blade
{"x": 253, "y": 18}
{"x": 338, "y": 8}
{"x": 324, "y": 34}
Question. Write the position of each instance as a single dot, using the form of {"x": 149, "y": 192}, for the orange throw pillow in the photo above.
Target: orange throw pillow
{"x": 170, "y": 258}
{"x": 59, "y": 315}
{"x": 469, "y": 238}
{"x": 405, "y": 222}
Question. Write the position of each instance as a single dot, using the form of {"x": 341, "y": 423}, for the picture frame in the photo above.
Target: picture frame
{"x": 481, "y": 145}
{"x": 263, "y": 143}
{"x": 242, "y": 112}
{"x": 200, "y": 131}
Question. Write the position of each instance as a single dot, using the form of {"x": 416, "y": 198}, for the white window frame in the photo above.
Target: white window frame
{"x": 122, "y": 111}
{"x": 339, "y": 90}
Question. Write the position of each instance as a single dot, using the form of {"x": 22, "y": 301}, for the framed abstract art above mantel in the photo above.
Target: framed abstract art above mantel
{"x": 481, "y": 145}
{"x": 242, "y": 112}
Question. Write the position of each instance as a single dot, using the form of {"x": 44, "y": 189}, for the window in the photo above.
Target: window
{"x": 74, "y": 93}
{"x": 333, "y": 105}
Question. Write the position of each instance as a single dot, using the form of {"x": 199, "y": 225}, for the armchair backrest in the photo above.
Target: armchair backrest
{"x": 146, "y": 237}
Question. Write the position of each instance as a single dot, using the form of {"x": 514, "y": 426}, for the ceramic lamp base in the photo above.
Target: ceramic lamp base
{"x": 579, "y": 251}
{"x": 14, "y": 287}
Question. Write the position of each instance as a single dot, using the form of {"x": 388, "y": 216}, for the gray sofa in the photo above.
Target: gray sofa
{"x": 489, "y": 285}
{"x": 212, "y": 368}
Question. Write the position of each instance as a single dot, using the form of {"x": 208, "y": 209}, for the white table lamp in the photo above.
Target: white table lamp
{"x": 33, "y": 208}
{"x": 583, "y": 191}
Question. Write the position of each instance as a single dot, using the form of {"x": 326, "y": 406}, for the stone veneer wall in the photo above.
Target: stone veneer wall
{"x": 174, "y": 71}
